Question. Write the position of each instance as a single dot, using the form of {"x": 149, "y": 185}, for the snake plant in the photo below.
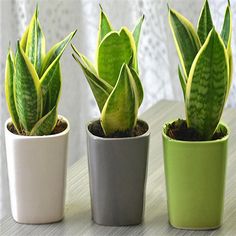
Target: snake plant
{"x": 33, "y": 81}
{"x": 206, "y": 67}
{"x": 114, "y": 79}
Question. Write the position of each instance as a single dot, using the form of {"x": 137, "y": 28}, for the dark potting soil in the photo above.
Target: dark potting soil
{"x": 178, "y": 130}
{"x": 60, "y": 127}
{"x": 96, "y": 129}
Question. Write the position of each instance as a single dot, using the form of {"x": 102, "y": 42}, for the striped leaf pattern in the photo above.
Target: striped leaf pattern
{"x": 35, "y": 45}
{"x": 207, "y": 86}
{"x": 120, "y": 110}
{"x": 114, "y": 80}
{"x": 27, "y": 91}
{"x": 46, "y": 124}
{"x": 33, "y": 81}
{"x": 205, "y": 23}
{"x": 186, "y": 40}
{"x": 9, "y": 90}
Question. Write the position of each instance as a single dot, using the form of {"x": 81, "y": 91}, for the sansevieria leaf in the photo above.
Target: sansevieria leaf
{"x": 27, "y": 91}
{"x": 226, "y": 31}
{"x": 100, "y": 88}
{"x": 56, "y": 52}
{"x": 226, "y": 34}
{"x": 207, "y": 86}
{"x": 182, "y": 81}
{"x": 35, "y": 44}
{"x": 46, "y": 124}
{"x": 138, "y": 85}
{"x": 24, "y": 38}
{"x": 137, "y": 31}
{"x": 205, "y": 23}
{"x": 119, "y": 113}
{"x": 104, "y": 26}
{"x": 114, "y": 50}
{"x": 186, "y": 40}
{"x": 9, "y": 90}
{"x": 51, "y": 93}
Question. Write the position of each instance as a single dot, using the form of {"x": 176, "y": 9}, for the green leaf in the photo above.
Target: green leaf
{"x": 51, "y": 87}
{"x": 85, "y": 61}
{"x": 182, "y": 81}
{"x": 9, "y": 91}
{"x": 137, "y": 30}
{"x": 120, "y": 110}
{"x": 27, "y": 91}
{"x": 186, "y": 40}
{"x": 139, "y": 86}
{"x": 114, "y": 50}
{"x": 226, "y": 32}
{"x": 46, "y": 124}
{"x": 205, "y": 23}
{"x": 100, "y": 88}
{"x": 207, "y": 86}
{"x": 35, "y": 44}
{"x": 56, "y": 52}
{"x": 104, "y": 26}
{"x": 24, "y": 38}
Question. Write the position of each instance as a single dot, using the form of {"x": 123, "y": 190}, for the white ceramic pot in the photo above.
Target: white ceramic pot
{"x": 37, "y": 175}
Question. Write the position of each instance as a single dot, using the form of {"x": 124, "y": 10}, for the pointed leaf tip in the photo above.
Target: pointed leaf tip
{"x": 100, "y": 6}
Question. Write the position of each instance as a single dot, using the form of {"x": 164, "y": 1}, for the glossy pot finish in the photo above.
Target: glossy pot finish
{"x": 195, "y": 181}
{"x": 117, "y": 174}
{"x": 37, "y": 175}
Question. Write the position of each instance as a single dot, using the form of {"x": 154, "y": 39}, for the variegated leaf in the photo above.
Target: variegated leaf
{"x": 182, "y": 81}
{"x": 100, "y": 88}
{"x": 205, "y": 23}
{"x": 35, "y": 44}
{"x": 114, "y": 50}
{"x": 46, "y": 124}
{"x": 138, "y": 85}
{"x": 119, "y": 113}
{"x": 186, "y": 40}
{"x": 207, "y": 86}
{"x": 104, "y": 26}
{"x": 137, "y": 31}
{"x": 9, "y": 90}
{"x": 56, "y": 52}
{"x": 226, "y": 34}
{"x": 27, "y": 91}
{"x": 52, "y": 90}
{"x": 24, "y": 38}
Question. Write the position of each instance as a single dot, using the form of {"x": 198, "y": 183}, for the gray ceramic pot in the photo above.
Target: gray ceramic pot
{"x": 117, "y": 176}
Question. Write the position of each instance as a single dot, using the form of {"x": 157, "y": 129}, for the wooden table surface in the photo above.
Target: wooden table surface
{"x": 77, "y": 219}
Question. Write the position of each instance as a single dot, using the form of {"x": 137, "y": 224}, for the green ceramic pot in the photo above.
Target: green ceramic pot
{"x": 195, "y": 181}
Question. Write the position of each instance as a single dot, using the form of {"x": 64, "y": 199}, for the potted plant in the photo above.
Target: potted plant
{"x": 195, "y": 149}
{"x": 36, "y": 137}
{"x": 118, "y": 142}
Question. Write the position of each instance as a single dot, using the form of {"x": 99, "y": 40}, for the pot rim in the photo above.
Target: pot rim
{"x": 165, "y": 136}
{"x": 147, "y": 133}
{"x": 50, "y": 136}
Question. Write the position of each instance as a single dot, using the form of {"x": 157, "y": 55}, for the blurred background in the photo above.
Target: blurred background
{"x": 157, "y": 56}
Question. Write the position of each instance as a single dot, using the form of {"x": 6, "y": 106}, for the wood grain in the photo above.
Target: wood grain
{"x": 77, "y": 212}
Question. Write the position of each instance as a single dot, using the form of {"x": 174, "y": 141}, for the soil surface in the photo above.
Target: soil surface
{"x": 96, "y": 129}
{"x": 178, "y": 130}
{"x": 60, "y": 127}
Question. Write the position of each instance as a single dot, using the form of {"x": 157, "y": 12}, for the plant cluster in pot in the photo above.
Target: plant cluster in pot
{"x": 117, "y": 142}
{"x": 195, "y": 149}
{"x": 36, "y": 137}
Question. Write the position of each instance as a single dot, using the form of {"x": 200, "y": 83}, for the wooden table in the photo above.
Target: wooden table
{"x": 77, "y": 213}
